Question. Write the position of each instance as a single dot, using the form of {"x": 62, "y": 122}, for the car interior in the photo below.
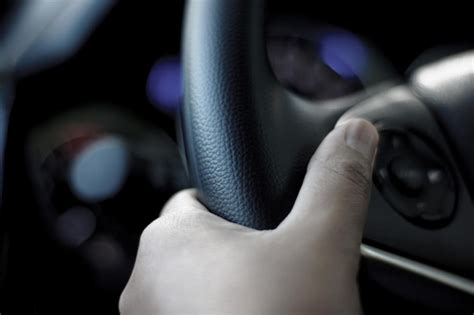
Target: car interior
{"x": 106, "y": 106}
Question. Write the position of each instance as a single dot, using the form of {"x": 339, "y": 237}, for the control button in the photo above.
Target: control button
{"x": 415, "y": 179}
{"x": 435, "y": 176}
{"x": 408, "y": 175}
{"x": 399, "y": 141}
{"x": 382, "y": 173}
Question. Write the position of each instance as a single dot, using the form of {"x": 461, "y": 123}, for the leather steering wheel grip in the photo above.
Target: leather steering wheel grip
{"x": 228, "y": 87}
{"x": 247, "y": 139}
{"x": 226, "y": 79}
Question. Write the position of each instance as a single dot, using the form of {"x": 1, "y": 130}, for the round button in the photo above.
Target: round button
{"x": 408, "y": 175}
{"x": 415, "y": 179}
{"x": 399, "y": 141}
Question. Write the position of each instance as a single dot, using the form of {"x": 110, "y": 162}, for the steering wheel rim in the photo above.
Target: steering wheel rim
{"x": 231, "y": 101}
{"x": 248, "y": 140}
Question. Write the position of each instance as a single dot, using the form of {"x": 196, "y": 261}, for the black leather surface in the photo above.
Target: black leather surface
{"x": 247, "y": 140}
{"x": 222, "y": 97}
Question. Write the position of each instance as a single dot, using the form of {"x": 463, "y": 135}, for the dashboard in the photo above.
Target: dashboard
{"x": 93, "y": 146}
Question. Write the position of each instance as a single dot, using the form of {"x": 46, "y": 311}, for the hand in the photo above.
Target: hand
{"x": 192, "y": 262}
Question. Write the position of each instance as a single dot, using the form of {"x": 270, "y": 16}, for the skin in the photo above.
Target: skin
{"x": 192, "y": 262}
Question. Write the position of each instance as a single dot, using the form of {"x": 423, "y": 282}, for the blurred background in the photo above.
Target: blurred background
{"x": 90, "y": 92}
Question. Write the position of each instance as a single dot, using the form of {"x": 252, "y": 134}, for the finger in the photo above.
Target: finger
{"x": 335, "y": 193}
{"x": 185, "y": 200}
{"x": 185, "y": 209}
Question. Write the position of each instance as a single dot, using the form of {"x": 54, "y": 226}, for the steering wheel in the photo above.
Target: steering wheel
{"x": 248, "y": 141}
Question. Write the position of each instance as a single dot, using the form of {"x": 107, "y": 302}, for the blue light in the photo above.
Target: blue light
{"x": 344, "y": 52}
{"x": 164, "y": 86}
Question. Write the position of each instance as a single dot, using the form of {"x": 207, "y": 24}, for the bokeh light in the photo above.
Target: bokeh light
{"x": 344, "y": 52}
{"x": 104, "y": 253}
{"x": 164, "y": 85}
{"x": 75, "y": 226}
{"x": 100, "y": 169}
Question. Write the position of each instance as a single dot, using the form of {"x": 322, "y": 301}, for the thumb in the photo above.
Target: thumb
{"x": 332, "y": 202}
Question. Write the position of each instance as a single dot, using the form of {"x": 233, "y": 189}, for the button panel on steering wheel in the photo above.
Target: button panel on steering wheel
{"x": 414, "y": 179}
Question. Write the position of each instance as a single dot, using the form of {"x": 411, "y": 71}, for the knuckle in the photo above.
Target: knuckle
{"x": 129, "y": 298}
{"x": 352, "y": 171}
{"x": 183, "y": 197}
{"x": 150, "y": 232}
{"x": 123, "y": 302}
{"x": 174, "y": 224}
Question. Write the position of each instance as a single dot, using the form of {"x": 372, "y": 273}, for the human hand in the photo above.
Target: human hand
{"x": 192, "y": 262}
